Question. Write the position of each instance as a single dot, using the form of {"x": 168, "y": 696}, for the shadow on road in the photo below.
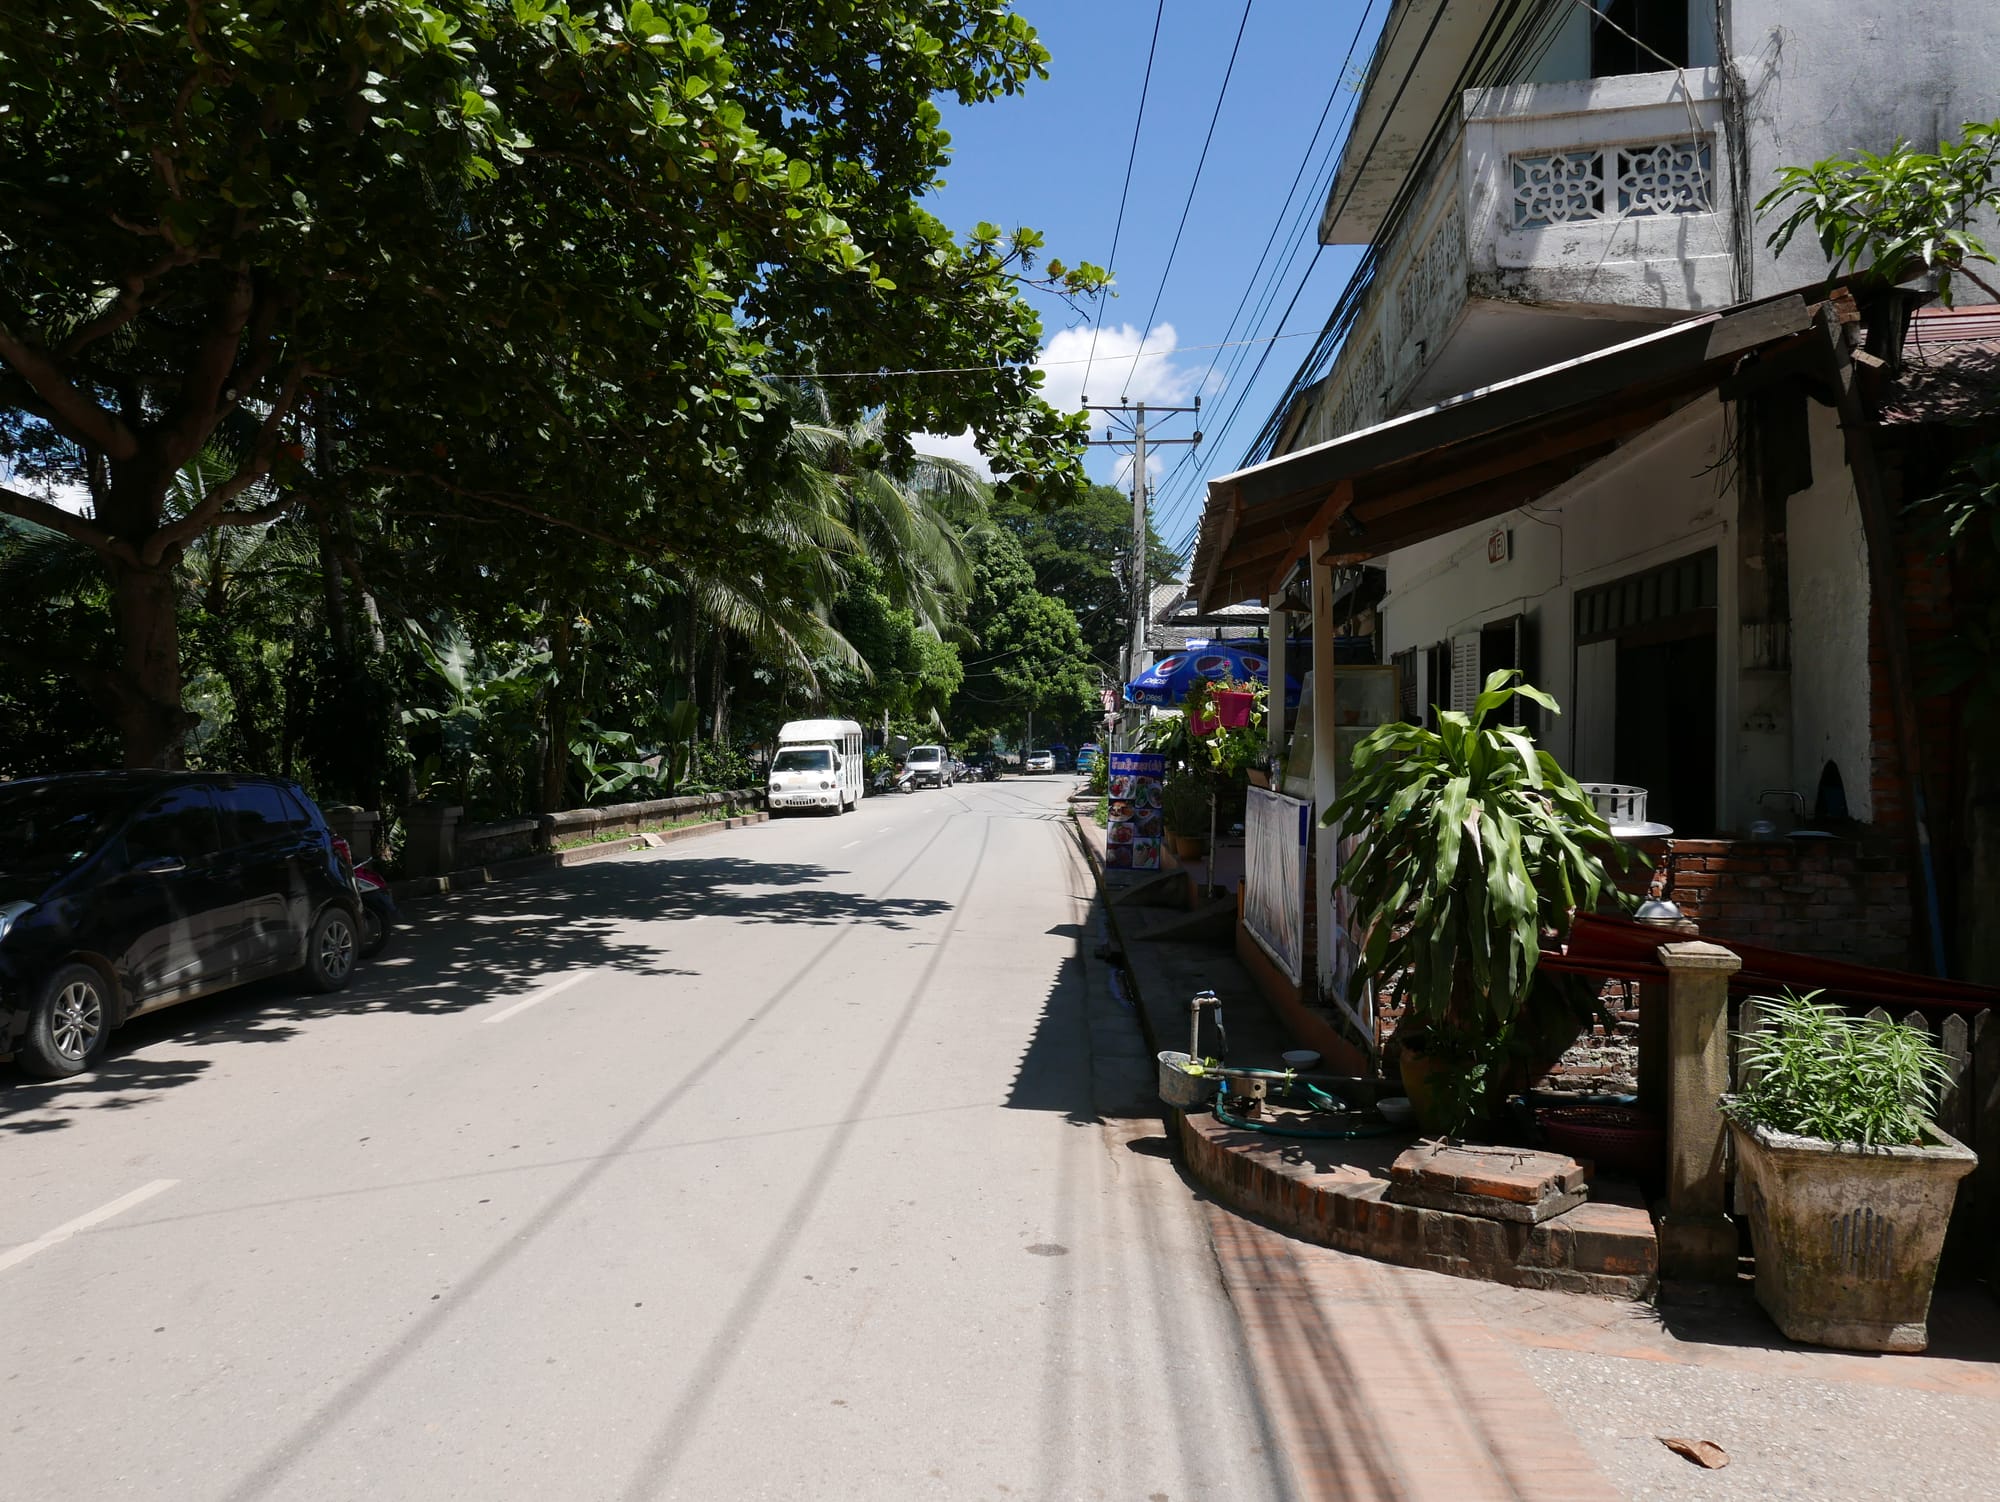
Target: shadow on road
{"x": 465, "y": 951}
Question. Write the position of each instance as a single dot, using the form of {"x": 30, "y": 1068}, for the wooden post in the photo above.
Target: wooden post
{"x": 1985, "y": 1139}
{"x": 1697, "y": 1235}
{"x": 1274, "y": 701}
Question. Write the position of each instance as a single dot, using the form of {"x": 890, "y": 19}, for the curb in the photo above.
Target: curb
{"x": 1601, "y": 1247}
{"x": 418, "y": 888}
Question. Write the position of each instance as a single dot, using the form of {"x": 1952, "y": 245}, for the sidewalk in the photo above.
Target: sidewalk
{"x": 1394, "y": 1384}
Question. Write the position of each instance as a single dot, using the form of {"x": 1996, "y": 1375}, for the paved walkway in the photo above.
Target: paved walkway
{"x": 1388, "y": 1384}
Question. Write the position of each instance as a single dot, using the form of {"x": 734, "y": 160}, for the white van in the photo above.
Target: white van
{"x": 818, "y": 765}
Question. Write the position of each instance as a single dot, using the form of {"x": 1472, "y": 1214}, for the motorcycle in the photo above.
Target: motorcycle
{"x": 378, "y": 909}
{"x": 897, "y": 780}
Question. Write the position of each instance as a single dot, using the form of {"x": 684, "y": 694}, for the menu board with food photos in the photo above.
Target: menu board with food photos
{"x": 1132, "y": 838}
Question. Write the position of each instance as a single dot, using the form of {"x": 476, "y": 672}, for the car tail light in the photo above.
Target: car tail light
{"x": 345, "y": 851}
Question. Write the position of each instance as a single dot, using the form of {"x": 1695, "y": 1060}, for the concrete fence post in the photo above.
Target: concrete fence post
{"x": 431, "y": 838}
{"x": 1697, "y": 1236}
{"x": 357, "y": 826}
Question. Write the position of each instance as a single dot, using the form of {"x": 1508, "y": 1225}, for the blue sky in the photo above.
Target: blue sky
{"x": 1054, "y": 158}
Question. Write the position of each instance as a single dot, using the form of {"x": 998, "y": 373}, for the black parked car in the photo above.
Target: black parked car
{"x": 124, "y": 892}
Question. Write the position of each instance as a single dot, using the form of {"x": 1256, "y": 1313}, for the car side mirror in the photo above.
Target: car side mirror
{"x": 160, "y": 865}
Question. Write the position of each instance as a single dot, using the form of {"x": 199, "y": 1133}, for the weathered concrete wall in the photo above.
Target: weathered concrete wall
{"x": 1831, "y": 77}
{"x": 1828, "y": 571}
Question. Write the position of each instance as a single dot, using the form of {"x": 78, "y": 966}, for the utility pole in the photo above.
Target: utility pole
{"x": 1131, "y": 419}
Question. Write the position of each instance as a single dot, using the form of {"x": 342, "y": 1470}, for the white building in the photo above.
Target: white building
{"x": 1570, "y": 406}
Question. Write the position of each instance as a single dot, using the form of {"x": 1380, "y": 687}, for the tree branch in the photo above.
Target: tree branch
{"x": 126, "y": 306}
{"x": 195, "y": 412}
{"x": 76, "y": 528}
{"x": 210, "y": 512}
{"x": 79, "y": 418}
{"x": 509, "y": 503}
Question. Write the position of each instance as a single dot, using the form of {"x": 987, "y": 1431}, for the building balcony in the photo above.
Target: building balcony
{"x": 1609, "y": 194}
{"x": 1558, "y": 220}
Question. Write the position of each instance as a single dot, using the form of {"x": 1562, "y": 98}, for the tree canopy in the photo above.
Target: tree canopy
{"x": 500, "y": 284}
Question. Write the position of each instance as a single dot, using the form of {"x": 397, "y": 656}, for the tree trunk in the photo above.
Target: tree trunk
{"x": 147, "y": 688}
{"x": 555, "y": 758}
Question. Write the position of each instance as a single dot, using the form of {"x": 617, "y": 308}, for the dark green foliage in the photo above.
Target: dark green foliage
{"x": 1818, "y": 1072}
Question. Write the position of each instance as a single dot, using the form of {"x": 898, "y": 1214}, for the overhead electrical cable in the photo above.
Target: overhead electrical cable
{"x": 1228, "y": 72}
{"x": 1118, "y": 227}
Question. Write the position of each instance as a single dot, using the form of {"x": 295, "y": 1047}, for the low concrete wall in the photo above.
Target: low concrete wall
{"x": 508, "y": 839}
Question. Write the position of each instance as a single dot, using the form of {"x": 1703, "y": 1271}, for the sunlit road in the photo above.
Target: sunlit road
{"x": 766, "y": 1165}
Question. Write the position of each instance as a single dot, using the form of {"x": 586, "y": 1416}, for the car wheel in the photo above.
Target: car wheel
{"x": 331, "y": 950}
{"x": 69, "y": 1024}
{"x": 374, "y": 932}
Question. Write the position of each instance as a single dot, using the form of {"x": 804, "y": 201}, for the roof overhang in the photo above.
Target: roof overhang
{"x": 1471, "y": 458}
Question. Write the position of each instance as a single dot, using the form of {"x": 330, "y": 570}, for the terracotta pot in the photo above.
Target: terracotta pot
{"x": 1233, "y": 706}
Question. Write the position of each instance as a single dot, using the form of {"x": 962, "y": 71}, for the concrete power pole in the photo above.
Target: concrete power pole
{"x": 1131, "y": 418}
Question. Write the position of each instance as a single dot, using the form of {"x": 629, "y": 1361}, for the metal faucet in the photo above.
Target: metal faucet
{"x": 1793, "y": 793}
{"x": 1206, "y": 1000}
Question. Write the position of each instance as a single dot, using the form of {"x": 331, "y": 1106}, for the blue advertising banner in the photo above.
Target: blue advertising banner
{"x": 1132, "y": 837}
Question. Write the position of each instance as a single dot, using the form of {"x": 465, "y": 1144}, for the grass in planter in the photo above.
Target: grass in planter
{"x": 1821, "y": 1073}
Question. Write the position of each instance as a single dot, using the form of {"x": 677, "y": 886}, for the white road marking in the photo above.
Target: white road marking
{"x": 541, "y": 996}
{"x": 850, "y": 844}
{"x": 883, "y": 830}
{"x": 84, "y": 1222}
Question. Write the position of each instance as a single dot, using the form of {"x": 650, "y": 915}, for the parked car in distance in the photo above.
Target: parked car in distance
{"x": 125, "y": 892}
{"x": 1041, "y": 761}
{"x": 929, "y": 767}
{"x": 1087, "y": 754}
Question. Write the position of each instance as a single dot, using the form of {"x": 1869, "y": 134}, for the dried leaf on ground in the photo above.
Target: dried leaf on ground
{"x": 1703, "y": 1452}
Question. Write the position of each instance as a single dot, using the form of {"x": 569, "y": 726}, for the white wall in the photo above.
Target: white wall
{"x": 1828, "y": 570}
{"x": 1831, "y": 77}
{"x": 1659, "y": 498}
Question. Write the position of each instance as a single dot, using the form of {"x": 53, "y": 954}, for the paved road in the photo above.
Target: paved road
{"x": 768, "y": 1165}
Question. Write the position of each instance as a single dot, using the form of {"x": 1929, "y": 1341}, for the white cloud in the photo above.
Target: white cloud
{"x": 1115, "y": 371}
{"x": 954, "y": 446}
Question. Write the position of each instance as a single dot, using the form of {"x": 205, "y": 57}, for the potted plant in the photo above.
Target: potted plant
{"x": 1471, "y": 845}
{"x": 1184, "y": 805}
{"x": 1848, "y": 1183}
{"x": 1234, "y": 703}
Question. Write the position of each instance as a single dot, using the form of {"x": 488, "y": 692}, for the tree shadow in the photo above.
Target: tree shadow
{"x": 495, "y": 942}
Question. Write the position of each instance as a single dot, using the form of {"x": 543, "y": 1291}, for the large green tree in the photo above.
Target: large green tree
{"x": 1027, "y": 657}
{"x": 1080, "y": 553}
{"x": 519, "y": 261}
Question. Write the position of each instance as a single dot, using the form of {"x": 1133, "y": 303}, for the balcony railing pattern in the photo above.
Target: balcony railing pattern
{"x": 1614, "y": 182}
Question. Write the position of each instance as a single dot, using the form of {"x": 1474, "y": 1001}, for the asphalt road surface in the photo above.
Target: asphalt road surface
{"x": 771, "y": 1164}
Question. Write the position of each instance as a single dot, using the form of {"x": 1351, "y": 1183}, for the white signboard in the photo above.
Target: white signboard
{"x": 1274, "y": 887}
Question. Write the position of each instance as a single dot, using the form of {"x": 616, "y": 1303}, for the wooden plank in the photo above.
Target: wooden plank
{"x": 1955, "y": 1100}
{"x": 1985, "y": 1139}
{"x": 1329, "y": 512}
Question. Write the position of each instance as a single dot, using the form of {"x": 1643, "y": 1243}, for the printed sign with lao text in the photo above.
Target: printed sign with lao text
{"x": 1132, "y": 837}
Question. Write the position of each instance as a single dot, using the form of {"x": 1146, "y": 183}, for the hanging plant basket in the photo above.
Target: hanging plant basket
{"x": 1201, "y": 722}
{"x": 1233, "y": 706}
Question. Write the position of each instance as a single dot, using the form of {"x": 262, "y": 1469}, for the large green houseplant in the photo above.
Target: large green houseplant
{"x": 1472, "y": 846}
{"x": 1848, "y": 1183}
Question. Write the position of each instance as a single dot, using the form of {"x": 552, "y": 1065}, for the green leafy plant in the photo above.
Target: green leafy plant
{"x": 1472, "y": 845}
{"x": 1897, "y": 212}
{"x": 1818, "y": 1072}
{"x": 1184, "y": 802}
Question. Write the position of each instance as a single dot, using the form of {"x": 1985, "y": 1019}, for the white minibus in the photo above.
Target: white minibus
{"x": 819, "y": 765}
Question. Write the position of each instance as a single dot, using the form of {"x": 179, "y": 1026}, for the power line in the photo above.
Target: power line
{"x": 1146, "y": 328}
{"x": 869, "y": 375}
{"x": 1118, "y": 228}
{"x": 1302, "y": 221}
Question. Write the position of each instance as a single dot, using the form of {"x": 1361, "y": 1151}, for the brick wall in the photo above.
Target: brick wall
{"x": 1836, "y": 899}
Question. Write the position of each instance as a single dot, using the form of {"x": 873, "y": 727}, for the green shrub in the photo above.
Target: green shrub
{"x": 1819, "y": 1072}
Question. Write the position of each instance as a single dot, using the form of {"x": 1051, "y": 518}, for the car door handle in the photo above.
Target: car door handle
{"x": 160, "y": 865}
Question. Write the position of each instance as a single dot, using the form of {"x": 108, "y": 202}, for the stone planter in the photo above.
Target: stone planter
{"x": 1847, "y": 1237}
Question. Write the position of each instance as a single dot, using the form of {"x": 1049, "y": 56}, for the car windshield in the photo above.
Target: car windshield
{"x": 925, "y": 753}
{"x": 47, "y": 827}
{"x": 805, "y": 759}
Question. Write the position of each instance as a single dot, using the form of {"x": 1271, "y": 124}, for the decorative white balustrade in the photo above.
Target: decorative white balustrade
{"x": 1613, "y": 182}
